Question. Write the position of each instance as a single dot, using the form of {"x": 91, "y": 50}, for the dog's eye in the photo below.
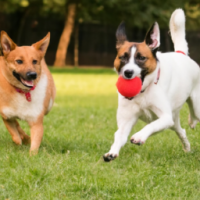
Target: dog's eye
{"x": 124, "y": 58}
{"x": 34, "y": 62}
{"x": 19, "y": 62}
{"x": 141, "y": 58}
{"x": 121, "y": 57}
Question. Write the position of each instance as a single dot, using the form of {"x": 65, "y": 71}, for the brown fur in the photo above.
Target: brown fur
{"x": 143, "y": 49}
{"x": 9, "y": 83}
{"x": 122, "y": 49}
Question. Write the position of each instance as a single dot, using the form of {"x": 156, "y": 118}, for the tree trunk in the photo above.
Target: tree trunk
{"x": 65, "y": 36}
{"x": 76, "y": 42}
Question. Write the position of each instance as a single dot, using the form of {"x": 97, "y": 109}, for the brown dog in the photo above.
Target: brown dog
{"x": 27, "y": 89}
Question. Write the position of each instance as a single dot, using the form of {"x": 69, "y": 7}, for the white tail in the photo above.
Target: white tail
{"x": 177, "y": 29}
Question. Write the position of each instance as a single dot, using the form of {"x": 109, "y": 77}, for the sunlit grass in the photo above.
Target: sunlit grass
{"x": 85, "y": 84}
{"x": 78, "y": 131}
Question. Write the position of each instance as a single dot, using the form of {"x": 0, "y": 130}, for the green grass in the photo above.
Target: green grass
{"x": 78, "y": 131}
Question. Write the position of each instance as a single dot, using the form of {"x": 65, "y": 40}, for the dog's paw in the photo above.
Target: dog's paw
{"x": 137, "y": 139}
{"x": 186, "y": 146}
{"x": 26, "y": 139}
{"x": 136, "y": 142}
{"x": 33, "y": 152}
{"x": 192, "y": 122}
{"x": 187, "y": 149}
{"x": 109, "y": 156}
{"x": 17, "y": 140}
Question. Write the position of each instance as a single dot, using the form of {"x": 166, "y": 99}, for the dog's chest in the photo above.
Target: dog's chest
{"x": 25, "y": 110}
{"x": 144, "y": 108}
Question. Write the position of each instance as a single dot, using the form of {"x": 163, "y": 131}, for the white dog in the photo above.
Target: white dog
{"x": 169, "y": 80}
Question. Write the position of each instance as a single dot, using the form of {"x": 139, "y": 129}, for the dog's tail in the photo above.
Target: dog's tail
{"x": 177, "y": 29}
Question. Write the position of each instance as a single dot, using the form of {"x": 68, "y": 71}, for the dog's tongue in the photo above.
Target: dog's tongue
{"x": 28, "y": 83}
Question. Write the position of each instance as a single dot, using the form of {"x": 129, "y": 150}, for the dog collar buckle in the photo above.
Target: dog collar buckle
{"x": 27, "y": 94}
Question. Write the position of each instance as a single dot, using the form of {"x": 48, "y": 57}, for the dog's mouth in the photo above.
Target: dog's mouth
{"x": 27, "y": 83}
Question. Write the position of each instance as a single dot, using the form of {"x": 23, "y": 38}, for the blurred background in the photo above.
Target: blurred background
{"x": 83, "y": 31}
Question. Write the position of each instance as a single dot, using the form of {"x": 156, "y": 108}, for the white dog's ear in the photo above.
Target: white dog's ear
{"x": 121, "y": 35}
{"x": 152, "y": 38}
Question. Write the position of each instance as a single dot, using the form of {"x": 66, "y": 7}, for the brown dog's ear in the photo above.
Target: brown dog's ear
{"x": 121, "y": 35}
{"x": 43, "y": 44}
{"x": 6, "y": 43}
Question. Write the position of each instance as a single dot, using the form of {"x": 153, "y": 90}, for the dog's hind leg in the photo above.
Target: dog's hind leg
{"x": 194, "y": 106}
{"x": 181, "y": 132}
{"x": 25, "y": 138}
{"x": 192, "y": 119}
{"x": 12, "y": 129}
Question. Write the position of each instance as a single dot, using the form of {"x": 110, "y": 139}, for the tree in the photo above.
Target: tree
{"x": 65, "y": 36}
{"x": 140, "y": 14}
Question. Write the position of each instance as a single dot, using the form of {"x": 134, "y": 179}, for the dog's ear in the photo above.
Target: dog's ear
{"x": 7, "y": 44}
{"x": 152, "y": 38}
{"x": 43, "y": 44}
{"x": 121, "y": 35}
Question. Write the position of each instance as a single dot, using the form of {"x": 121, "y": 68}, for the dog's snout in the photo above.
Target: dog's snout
{"x": 128, "y": 73}
{"x": 31, "y": 75}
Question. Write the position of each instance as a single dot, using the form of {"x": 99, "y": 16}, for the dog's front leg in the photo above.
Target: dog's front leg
{"x": 158, "y": 103}
{"x": 11, "y": 125}
{"x": 165, "y": 121}
{"x": 125, "y": 120}
{"x": 36, "y": 136}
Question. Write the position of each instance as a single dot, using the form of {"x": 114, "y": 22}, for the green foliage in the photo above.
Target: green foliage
{"x": 54, "y": 6}
{"x": 9, "y": 6}
{"x": 78, "y": 131}
{"x": 135, "y": 13}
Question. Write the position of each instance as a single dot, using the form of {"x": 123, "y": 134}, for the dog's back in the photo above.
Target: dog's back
{"x": 178, "y": 71}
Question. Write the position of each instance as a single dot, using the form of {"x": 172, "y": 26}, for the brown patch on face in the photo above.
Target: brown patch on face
{"x": 124, "y": 50}
{"x": 21, "y": 61}
{"x": 149, "y": 63}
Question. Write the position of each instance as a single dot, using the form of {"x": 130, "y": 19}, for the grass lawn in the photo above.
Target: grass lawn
{"x": 78, "y": 131}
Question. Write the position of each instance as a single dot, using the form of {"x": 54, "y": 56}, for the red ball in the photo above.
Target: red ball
{"x": 129, "y": 87}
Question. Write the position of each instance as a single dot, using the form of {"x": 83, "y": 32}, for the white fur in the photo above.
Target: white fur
{"x": 155, "y": 37}
{"x": 25, "y": 110}
{"x": 131, "y": 66}
{"x": 177, "y": 28}
{"x": 160, "y": 103}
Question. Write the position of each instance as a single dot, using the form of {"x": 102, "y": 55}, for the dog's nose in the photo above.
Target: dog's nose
{"x": 31, "y": 75}
{"x": 128, "y": 73}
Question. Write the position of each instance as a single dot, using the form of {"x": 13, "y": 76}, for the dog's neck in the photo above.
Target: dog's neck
{"x": 151, "y": 78}
{"x": 27, "y": 94}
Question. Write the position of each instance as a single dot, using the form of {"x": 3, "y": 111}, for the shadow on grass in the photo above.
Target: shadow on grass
{"x": 80, "y": 70}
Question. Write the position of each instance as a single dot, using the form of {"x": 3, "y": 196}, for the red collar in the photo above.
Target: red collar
{"x": 27, "y": 94}
{"x": 158, "y": 76}
{"x": 180, "y": 52}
